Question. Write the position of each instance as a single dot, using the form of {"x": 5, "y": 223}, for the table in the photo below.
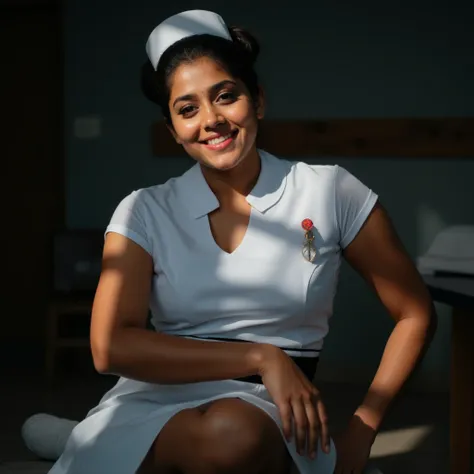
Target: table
{"x": 458, "y": 292}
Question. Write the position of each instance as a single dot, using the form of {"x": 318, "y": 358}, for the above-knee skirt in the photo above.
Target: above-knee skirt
{"x": 117, "y": 434}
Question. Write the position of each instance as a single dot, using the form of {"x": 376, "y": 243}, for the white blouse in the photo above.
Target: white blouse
{"x": 264, "y": 291}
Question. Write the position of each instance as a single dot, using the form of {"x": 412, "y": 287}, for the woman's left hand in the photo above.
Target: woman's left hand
{"x": 353, "y": 447}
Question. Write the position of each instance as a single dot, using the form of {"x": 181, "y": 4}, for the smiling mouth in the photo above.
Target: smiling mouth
{"x": 216, "y": 141}
{"x": 221, "y": 142}
{"x": 221, "y": 139}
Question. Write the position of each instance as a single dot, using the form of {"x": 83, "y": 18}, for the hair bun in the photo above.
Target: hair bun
{"x": 246, "y": 41}
{"x": 148, "y": 82}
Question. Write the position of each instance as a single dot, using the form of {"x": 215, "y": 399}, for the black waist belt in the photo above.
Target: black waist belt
{"x": 308, "y": 366}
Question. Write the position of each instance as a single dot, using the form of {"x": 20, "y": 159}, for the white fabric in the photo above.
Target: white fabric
{"x": 264, "y": 291}
{"x": 182, "y": 25}
{"x": 46, "y": 435}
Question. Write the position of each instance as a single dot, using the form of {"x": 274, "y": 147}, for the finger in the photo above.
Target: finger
{"x": 286, "y": 415}
{"x": 324, "y": 428}
{"x": 301, "y": 422}
{"x": 313, "y": 428}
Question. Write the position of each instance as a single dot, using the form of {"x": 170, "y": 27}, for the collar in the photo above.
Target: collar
{"x": 198, "y": 198}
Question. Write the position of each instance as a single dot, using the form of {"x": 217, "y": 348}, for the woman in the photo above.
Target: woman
{"x": 238, "y": 260}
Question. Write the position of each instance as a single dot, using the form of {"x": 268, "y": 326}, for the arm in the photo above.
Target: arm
{"x": 122, "y": 345}
{"x": 378, "y": 255}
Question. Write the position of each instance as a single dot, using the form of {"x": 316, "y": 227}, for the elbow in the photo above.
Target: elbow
{"x": 101, "y": 364}
{"x": 101, "y": 356}
{"x": 110, "y": 352}
{"x": 427, "y": 324}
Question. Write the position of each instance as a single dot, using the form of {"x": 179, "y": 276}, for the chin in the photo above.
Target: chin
{"x": 222, "y": 164}
{"x": 220, "y": 161}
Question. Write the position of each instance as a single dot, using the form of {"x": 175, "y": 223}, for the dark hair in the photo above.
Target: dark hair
{"x": 237, "y": 57}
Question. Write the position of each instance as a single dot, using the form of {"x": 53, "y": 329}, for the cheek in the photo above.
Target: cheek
{"x": 186, "y": 130}
{"x": 251, "y": 123}
{"x": 243, "y": 116}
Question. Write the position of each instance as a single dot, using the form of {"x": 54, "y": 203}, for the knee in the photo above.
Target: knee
{"x": 237, "y": 436}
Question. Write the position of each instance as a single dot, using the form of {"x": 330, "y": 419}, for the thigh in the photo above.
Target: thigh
{"x": 226, "y": 435}
{"x": 172, "y": 443}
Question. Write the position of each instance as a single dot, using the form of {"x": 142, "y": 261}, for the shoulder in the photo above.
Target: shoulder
{"x": 141, "y": 214}
{"x": 333, "y": 174}
{"x": 303, "y": 177}
{"x": 300, "y": 169}
{"x": 334, "y": 178}
{"x": 152, "y": 199}
{"x": 321, "y": 173}
{"x": 144, "y": 205}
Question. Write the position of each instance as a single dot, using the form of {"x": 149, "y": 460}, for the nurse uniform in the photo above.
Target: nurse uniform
{"x": 264, "y": 291}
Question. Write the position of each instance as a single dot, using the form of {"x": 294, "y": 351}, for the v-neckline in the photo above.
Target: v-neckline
{"x": 217, "y": 248}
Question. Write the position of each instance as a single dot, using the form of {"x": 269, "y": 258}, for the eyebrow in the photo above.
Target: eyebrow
{"x": 213, "y": 88}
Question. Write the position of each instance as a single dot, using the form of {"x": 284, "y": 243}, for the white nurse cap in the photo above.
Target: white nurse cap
{"x": 182, "y": 25}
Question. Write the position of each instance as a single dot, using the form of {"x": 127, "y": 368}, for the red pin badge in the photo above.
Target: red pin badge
{"x": 308, "y": 250}
{"x": 307, "y": 224}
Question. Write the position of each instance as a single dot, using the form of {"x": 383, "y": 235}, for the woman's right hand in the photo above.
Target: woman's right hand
{"x": 298, "y": 401}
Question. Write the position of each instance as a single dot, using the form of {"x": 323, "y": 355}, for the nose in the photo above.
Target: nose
{"x": 212, "y": 117}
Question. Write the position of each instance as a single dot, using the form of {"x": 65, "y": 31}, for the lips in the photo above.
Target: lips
{"x": 220, "y": 142}
{"x": 216, "y": 141}
{"x": 220, "y": 138}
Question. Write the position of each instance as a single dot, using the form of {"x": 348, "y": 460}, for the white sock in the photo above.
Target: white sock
{"x": 46, "y": 435}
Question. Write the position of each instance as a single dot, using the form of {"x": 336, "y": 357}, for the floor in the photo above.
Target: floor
{"x": 414, "y": 439}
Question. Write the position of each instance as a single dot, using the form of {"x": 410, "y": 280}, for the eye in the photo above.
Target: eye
{"x": 187, "y": 110}
{"x": 227, "y": 97}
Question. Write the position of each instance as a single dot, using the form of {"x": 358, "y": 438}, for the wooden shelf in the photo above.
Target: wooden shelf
{"x": 449, "y": 137}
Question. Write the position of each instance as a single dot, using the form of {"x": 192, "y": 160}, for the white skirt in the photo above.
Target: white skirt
{"x": 117, "y": 434}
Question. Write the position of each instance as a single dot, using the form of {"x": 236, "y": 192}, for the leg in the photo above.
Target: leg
{"x": 462, "y": 393}
{"x": 227, "y": 436}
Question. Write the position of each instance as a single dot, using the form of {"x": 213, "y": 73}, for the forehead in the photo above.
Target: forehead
{"x": 196, "y": 76}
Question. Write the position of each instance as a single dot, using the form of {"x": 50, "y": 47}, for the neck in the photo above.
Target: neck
{"x": 234, "y": 183}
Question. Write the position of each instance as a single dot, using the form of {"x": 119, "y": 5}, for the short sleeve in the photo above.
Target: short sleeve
{"x": 129, "y": 221}
{"x": 354, "y": 201}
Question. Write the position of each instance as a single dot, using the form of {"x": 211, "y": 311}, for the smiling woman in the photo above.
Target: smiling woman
{"x": 203, "y": 92}
{"x": 238, "y": 260}
{"x": 210, "y": 97}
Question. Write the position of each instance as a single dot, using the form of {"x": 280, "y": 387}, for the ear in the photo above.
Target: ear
{"x": 260, "y": 104}
{"x": 171, "y": 129}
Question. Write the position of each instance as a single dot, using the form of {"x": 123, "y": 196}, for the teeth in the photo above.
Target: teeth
{"x": 215, "y": 141}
